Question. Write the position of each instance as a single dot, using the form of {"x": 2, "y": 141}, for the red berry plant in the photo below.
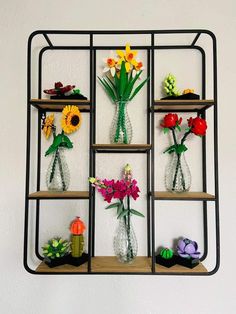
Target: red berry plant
{"x": 175, "y": 176}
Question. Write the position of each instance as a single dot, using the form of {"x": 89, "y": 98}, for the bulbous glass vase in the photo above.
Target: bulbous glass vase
{"x": 125, "y": 241}
{"x": 177, "y": 174}
{"x": 121, "y": 128}
{"x": 58, "y": 174}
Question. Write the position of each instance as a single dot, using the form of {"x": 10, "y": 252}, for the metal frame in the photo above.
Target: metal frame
{"x": 151, "y": 201}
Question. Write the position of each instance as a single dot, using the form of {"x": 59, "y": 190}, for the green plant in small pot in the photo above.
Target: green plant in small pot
{"x": 56, "y": 251}
{"x": 171, "y": 92}
{"x": 166, "y": 257}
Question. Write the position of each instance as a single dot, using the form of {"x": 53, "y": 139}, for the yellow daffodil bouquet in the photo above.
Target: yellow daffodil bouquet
{"x": 58, "y": 172}
{"x": 122, "y": 72}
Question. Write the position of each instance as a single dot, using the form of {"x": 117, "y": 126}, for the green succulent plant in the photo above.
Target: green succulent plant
{"x": 166, "y": 253}
{"x": 56, "y": 248}
{"x": 170, "y": 86}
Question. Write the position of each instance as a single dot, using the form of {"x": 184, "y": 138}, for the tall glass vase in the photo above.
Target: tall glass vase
{"x": 125, "y": 242}
{"x": 121, "y": 128}
{"x": 58, "y": 174}
{"x": 177, "y": 175}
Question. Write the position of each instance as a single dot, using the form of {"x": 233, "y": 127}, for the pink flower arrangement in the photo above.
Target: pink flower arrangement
{"x": 119, "y": 189}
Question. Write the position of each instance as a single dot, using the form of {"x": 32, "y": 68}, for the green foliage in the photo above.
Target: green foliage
{"x": 122, "y": 87}
{"x": 61, "y": 140}
{"x": 170, "y": 86}
{"x": 56, "y": 248}
{"x": 178, "y": 149}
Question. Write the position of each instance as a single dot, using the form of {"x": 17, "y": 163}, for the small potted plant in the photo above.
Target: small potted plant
{"x": 77, "y": 256}
{"x": 188, "y": 254}
{"x": 171, "y": 92}
{"x": 64, "y": 92}
{"x": 56, "y": 251}
{"x": 166, "y": 257}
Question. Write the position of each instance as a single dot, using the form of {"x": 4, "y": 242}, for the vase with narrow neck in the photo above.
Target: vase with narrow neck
{"x": 125, "y": 242}
{"x": 58, "y": 175}
{"x": 177, "y": 174}
{"x": 121, "y": 128}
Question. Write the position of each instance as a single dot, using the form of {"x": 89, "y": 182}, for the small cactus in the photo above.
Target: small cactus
{"x": 170, "y": 86}
{"x": 166, "y": 253}
{"x": 77, "y": 228}
{"x": 56, "y": 248}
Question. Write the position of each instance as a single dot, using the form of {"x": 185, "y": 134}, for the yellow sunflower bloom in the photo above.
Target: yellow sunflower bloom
{"x": 71, "y": 119}
{"x": 48, "y": 125}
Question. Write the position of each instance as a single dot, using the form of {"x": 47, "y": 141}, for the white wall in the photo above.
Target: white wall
{"x": 23, "y": 293}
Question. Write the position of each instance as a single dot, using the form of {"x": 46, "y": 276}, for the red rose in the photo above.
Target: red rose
{"x": 198, "y": 126}
{"x": 171, "y": 120}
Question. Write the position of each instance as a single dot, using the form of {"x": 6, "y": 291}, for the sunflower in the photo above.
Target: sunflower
{"x": 48, "y": 125}
{"x": 71, "y": 119}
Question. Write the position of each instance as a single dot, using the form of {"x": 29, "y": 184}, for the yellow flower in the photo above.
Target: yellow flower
{"x": 187, "y": 91}
{"x": 110, "y": 64}
{"x": 48, "y": 125}
{"x": 71, "y": 119}
{"x": 128, "y": 57}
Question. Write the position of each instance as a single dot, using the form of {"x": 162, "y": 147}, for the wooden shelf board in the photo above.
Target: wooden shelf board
{"x": 185, "y": 105}
{"x": 58, "y": 104}
{"x": 139, "y": 147}
{"x": 109, "y": 264}
{"x": 59, "y": 195}
{"x": 181, "y": 269}
{"x": 164, "y": 195}
{"x": 42, "y": 268}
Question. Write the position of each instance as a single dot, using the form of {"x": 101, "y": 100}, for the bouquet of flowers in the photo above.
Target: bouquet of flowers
{"x": 122, "y": 72}
{"x": 58, "y": 172}
{"x": 123, "y": 190}
{"x": 177, "y": 177}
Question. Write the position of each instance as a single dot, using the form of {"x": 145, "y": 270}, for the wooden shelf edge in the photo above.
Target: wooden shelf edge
{"x": 55, "y": 101}
{"x": 59, "y": 195}
{"x": 164, "y": 195}
{"x": 121, "y": 146}
{"x": 110, "y": 264}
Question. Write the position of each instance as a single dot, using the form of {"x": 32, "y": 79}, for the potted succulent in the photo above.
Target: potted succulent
{"x": 56, "y": 251}
{"x": 166, "y": 257}
{"x": 171, "y": 91}
{"x": 77, "y": 256}
{"x": 64, "y": 92}
{"x": 188, "y": 254}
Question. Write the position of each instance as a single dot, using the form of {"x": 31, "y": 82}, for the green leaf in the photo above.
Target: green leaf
{"x": 181, "y": 148}
{"x": 113, "y": 205}
{"x": 67, "y": 141}
{"x": 137, "y": 213}
{"x": 117, "y": 84}
{"x": 123, "y": 213}
{"x": 51, "y": 150}
{"x": 123, "y": 79}
{"x": 130, "y": 85}
{"x": 57, "y": 140}
{"x": 166, "y": 130}
{"x": 108, "y": 89}
{"x": 114, "y": 87}
{"x": 170, "y": 149}
{"x": 120, "y": 209}
{"x": 178, "y": 128}
{"x": 138, "y": 88}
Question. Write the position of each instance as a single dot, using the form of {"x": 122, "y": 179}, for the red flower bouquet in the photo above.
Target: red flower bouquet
{"x": 178, "y": 177}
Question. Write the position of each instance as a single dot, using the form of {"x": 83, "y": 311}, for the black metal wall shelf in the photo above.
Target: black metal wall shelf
{"x": 144, "y": 265}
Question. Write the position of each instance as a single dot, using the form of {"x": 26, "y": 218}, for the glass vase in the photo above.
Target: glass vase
{"x": 125, "y": 242}
{"x": 58, "y": 174}
{"x": 177, "y": 175}
{"x": 121, "y": 128}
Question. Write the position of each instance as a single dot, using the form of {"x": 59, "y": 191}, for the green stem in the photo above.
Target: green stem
{"x": 130, "y": 249}
{"x": 53, "y": 166}
{"x": 61, "y": 172}
{"x": 121, "y": 123}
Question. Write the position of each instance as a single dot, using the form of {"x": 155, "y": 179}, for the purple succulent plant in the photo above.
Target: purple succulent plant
{"x": 187, "y": 248}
